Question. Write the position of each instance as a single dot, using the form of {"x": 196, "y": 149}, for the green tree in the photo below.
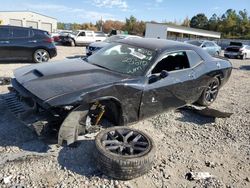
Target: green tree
{"x": 130, "y": 24}
{"x": 213, "y": 23}
{"x": 60, "y": 25}
{"x": 199, "y": 21}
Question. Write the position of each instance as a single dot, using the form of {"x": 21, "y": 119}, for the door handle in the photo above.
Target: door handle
{"x": 191, "y": 75}
{"x": 33, "y": 41}
{"x": 4, "y": 42}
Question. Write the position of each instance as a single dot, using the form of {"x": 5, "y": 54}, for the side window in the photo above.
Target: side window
{"x": 206, "y": 44}
{"x": 172, "y": 62}
{"x": 194, "y": 58}
{"x": 211, "y": 44}
{"x": 90, "y": 35}
{"x": 5, "y": 33}
{"x": 82, "y": 34}
{"x": 20, "y": 33}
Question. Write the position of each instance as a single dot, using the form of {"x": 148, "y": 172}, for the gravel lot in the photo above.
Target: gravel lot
{"x": 186, "y": 142}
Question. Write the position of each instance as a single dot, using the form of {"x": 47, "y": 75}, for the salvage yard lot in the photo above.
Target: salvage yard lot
{"x": 185, "y": 142}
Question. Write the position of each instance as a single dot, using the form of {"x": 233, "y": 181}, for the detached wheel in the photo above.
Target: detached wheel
{"x": 41, "y": 56}
{"x": 124, "y": 153}
{"x": 210, "y": 93}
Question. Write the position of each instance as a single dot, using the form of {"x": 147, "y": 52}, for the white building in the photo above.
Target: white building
{"x": 163, "y": 31}
{"x": 28, "y": 19}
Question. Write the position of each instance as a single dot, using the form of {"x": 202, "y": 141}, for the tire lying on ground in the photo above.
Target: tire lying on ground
{"x": 124, "y": 153}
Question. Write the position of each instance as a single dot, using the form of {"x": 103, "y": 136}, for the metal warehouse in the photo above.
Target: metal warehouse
{"x": 28, "y": 19}
{"x": 163, "y": 31}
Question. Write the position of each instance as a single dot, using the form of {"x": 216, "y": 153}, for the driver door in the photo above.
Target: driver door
{"x": 170, "y": 92}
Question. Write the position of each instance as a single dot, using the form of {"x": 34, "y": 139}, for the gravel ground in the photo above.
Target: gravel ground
{"x": 186, "y": 142}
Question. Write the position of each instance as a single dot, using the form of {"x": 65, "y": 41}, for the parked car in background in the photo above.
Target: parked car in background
{"x": 211, "y": 47}
{"x": 20, "y": 43}
{"x": 237, "y": 50}
{"x": 146, "y": 77}
{"x": 95, "y": 46}
{"x": 81, "y": 37}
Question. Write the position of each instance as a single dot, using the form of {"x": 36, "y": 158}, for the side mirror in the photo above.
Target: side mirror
{"x": 203, "y": 46}
{"x": 163, "y": 74}
{"x": 154, "y": 78}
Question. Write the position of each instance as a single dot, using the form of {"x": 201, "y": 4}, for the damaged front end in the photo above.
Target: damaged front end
{"x": 28, "y": 110}
{"x": 68, "y": 121}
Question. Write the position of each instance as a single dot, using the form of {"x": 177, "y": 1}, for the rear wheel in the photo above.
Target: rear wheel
{"x": 210, "y": 93}
{"x": 243, "y": 57}
{"x": 41, "y": 56}
{"x": 72, "y": 43}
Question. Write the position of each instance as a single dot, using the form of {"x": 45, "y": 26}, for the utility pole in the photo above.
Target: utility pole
{"x": 101, "y": 23}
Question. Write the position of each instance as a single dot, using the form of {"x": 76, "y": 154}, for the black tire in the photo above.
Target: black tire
{"x": 243, "y": 57}
{"x": 213, "y": 88}
{"x": 121, "y": 166}
{"x": 72, "y": 43}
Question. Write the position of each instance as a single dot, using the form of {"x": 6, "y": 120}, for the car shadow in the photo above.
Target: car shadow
{"x": 245, "y": 67}
{"x": 80, "y": 159}
{"x": 15, "y": 133}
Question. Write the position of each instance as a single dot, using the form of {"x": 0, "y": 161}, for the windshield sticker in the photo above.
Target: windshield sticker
{"x": 138, "y": 55}
{"x": 134, "y": 70}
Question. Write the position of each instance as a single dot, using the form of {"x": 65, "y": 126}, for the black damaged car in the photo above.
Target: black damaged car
{"x": 120, "y": 84}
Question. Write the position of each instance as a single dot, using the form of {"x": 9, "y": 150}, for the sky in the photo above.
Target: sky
{"x": 81, "y": 11}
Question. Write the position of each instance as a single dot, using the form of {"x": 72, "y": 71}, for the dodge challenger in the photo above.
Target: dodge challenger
{"x": 122, "y": 83}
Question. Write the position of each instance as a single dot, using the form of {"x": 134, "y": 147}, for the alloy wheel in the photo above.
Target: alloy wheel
{"x": 125, "y": 142}
{"x": 212, "y": 91}
{"x": 41, "y": 56}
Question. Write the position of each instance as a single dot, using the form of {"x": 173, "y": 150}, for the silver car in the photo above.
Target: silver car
{"x": 211, "y": 47}
{"x": 237, "y": 50}
{"x": 95, "y": 46}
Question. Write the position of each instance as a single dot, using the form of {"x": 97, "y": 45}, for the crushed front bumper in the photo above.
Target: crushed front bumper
{"x": 27, "y": 111}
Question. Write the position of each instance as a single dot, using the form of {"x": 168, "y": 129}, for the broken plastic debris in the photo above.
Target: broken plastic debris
{"x": 208, "y": 112}
{"x": 198, "y": 176}
{"x": 5, "y": 80}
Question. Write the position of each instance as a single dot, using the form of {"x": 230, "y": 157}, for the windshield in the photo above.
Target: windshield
{"x": 123, "y": 58}
{"x": 194, "y": 42}
{"x": 74, "y": 32}
{"x": 114, "y": 38}
{"x": 236, "y": 44}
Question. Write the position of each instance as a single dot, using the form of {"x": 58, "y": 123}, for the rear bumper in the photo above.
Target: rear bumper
{"x": 53, "y": 52}
{"x": 232, "y": 54}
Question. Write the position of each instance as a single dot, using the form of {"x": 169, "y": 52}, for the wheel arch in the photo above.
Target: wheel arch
{"x": 113, "y": 104}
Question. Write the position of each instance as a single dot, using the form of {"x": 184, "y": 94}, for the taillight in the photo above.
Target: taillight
{"x": 49, "y": 40}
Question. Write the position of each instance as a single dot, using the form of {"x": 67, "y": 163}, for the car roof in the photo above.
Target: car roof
{"x": 11, "y": 26}
{"x": 154, "y": 44}
{"x": 162, "y": 45}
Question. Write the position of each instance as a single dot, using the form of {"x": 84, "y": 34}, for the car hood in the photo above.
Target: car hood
{"x": 98, "y": 44}
{"x": 51, "y": 80}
